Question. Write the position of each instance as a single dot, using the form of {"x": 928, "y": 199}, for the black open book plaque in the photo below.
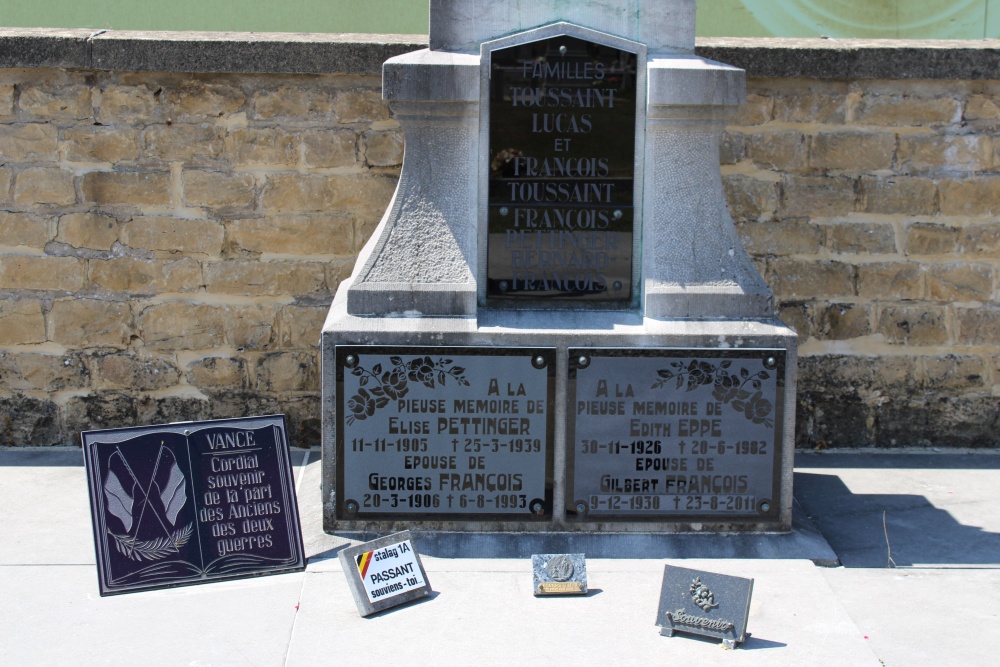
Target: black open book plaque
{"x": 193, "y": 502}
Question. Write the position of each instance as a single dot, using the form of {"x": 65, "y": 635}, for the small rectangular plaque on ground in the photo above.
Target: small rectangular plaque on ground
{"x": 384, "y": 573}
{"x": 559, "y": 574}
{"x": 192, "y": 502}
{"x": 704, "y": 603}
{"x": 438, "y": 433}
{"x": 675, "y": 433}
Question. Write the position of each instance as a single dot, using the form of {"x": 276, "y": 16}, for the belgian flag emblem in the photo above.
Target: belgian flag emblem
{"x": 364, "y": 560}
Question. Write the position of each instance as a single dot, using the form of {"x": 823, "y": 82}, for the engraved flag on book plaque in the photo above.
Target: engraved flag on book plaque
{"x": 193, "y": 502}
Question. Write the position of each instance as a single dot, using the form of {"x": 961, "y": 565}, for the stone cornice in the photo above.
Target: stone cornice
{"x": 287, "y": 53}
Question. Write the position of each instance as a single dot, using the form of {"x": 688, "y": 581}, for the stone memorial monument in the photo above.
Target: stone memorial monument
{"x": 555, "y": 326}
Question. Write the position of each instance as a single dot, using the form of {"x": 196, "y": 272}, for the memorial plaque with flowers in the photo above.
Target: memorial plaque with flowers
{"x": 444, "y": 432}
{"x": 667, "y": 433}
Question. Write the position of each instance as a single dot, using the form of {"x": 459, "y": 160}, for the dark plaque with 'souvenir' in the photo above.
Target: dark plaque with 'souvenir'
{"x": 562, "y": 172}
{"x": 675, "y": 434}
{"x": 444, "y": 432}
{"x": 192, "y": 502}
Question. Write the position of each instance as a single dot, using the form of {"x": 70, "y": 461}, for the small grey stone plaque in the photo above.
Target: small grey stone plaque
{"x": 704, "y": 603}
{"x": 384, "y": 573}
{"x": 559, "y": 574}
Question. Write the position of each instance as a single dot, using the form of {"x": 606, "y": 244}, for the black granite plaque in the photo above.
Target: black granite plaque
{"x": 704, "y": 603}
{"x": 444, "y": 432}
{"x": 562, "y": 120}
{"x": 192, "y": 502}
{"x": 675, "y": 434}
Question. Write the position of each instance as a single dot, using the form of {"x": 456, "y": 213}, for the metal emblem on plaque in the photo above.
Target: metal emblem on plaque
{"x": 444, "y": 432}
{"x": 704, "y": 603}
{"x": 675, "y": 434}
{"x": 559, "y": 574}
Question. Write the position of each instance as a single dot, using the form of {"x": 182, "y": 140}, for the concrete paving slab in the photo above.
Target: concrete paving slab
{"x": 52, "y": 615}
{"x": 45, "y": 509}
{"x": 918, "y": 510}
{"x": 483, "y": 611}
{"x": 922, "y": 618}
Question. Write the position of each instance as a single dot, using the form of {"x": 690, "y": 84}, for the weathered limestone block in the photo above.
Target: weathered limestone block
{"x": 288, "y": 371}
{"x": 890, "y": 281}
{"x": 265, "y": 278}
{"x": 88, "y": 230}
{"x": 218, "y": 189}
{"x": 861, "y": 238}
{"x": 944, "y": 153}
{"x": 913, "y": 325}
{"x": 29, "y": 272}
{"x": 899, "y": 194}
{"x": 929, "y": 238}
{"x": 21, "y": 322}
{"x": 292, "y": 101}
{"x": 272, "y": 146}
{"x": 146, "y": 276}
{"x": 796, "y": 279}
{"x": 330, "y": 148}
{"x": 89, "y": 143}
{"x": 852, "y": 151}
{"x": 83, "y": 323}
{"x": 59, "y": 102}
{"x": 26, "y": 371}
{"x": 22, "y": 229}
{"x": 26, "y": 419}
{"x": 128, "y": 371}
{"x": 44, "y": 185}
{"x": 174, "y": 235}
{"x": 321, "y": 234}
{"x": 129, "y": 188}
{"x": 33, "y": 141}
{"x": 217, "y": 373}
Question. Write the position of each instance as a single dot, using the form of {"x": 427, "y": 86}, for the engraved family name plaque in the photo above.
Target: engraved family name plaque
{"x": 675, "y": 433}
{"x": 704, "y": 603}
{"x": 562, "y": 147}
{"x": 444, "y": 432}
{"x": 192, "y": 502}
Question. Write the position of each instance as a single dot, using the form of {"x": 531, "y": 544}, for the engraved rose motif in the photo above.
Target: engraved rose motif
{"x": 726, "y": 388}
{"x": 756, "y": 408}
{"x": 422, "y": 370}
{"x": 394, "y": 384}
{"x": 699, "y": 373}
{"x": 362, "y": 405}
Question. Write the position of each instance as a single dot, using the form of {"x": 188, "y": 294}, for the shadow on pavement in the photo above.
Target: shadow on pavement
{"x": 866, "y": 530}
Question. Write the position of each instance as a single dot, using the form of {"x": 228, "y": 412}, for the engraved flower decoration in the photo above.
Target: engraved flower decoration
{"x": 380, "y": 385}
{"x": 741, "y": 390}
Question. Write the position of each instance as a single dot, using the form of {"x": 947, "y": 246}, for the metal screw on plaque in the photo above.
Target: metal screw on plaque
{"x": 187, "y": 431}
{"x": 504, "y": 210}
{"x": 350, "y": 361}
{"x": 581, "y": 508}
{"x": 537, "y": 507}
{"x": 583, "y": 361}
{"x": 765, "y": 507}
{"x": 771, "y": 362}
{"x": 538, "y": 361}
{"x": 562, "y": 50}
{"x": 351, "y": 507}
{"x": 617, "y": 285}
{"x": 503, "y": 285}
{"x": 618, "y": 214}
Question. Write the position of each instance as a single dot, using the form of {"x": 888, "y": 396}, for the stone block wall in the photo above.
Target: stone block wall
{"x": 872, "y": 208}
{"x": 176, "y": 213}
